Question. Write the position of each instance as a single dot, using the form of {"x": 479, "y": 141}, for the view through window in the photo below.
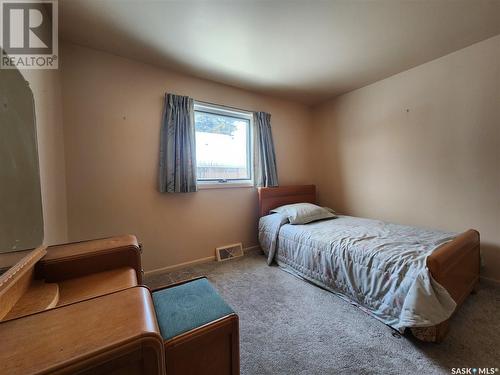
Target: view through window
{"x": 223, "y": 144}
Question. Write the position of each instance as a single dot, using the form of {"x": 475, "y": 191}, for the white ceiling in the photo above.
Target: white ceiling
{"x": 303, "y": 50}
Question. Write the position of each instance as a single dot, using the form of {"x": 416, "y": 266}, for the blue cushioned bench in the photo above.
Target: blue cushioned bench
{"x": 200, "y": 330}
{"x": 187, "y": 306}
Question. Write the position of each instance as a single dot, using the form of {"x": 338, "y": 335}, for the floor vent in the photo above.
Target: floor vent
{"x": 229, "y": 251}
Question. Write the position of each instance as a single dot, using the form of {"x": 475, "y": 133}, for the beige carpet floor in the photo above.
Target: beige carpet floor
{"x": 288, "y": 326}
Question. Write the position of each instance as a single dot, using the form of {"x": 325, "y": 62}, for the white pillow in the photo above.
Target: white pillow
{"x": 303, "y": 213}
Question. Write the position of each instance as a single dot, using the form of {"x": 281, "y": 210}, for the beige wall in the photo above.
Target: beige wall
{"x": 112, "y": 114}
{"x": 421, "y": 147}
{"x": 418, "y": 148}
{"x": 46, "y": 88}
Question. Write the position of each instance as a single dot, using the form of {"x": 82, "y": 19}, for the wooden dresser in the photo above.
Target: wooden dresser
{"x": 114, "y": 333}
{"x": 80, "y": 308}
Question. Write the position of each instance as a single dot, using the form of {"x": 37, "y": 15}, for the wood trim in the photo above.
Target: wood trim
{"x": 174, "y": 267}
{"x": 96, "y": 241}
{"x": 86, "y": 257}
{"x": 16, "y": 281}
{"x": 96, "y": 284}
{"x": 39, "y": 296}
{"x": 455, "y": 265}
{"x": 272, "y": 197}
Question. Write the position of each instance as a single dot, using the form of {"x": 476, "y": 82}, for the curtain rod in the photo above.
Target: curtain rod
{"x": 222, "y": 105}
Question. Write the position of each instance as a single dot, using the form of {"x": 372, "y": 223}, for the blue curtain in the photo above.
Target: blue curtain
{"x": 177, "y": 172}
{"x": 266, "y": 173}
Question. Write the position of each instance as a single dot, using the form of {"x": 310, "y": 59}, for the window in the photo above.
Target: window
{"x": 223, "y": 145}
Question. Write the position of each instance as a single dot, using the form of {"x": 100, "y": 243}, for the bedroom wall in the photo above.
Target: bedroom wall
{"x": 421, "y": 148}
{"x": 112, "y": 114}
{"x": 46, "y": 87}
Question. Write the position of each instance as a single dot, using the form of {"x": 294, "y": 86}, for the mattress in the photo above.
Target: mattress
{"x": 378, "y": 266}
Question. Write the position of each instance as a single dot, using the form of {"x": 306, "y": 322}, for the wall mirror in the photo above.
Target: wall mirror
{"x": 21, "y": 219}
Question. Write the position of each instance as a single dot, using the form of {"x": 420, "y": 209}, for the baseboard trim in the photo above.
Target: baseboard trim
{"x": 251, "y": 249}
{"x": 174, "y": 267}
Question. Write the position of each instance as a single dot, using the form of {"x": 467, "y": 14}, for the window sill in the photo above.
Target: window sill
{"x": 225, "y": 185}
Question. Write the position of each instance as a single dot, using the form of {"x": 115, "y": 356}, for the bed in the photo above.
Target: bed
{"x": 446, "y": 264}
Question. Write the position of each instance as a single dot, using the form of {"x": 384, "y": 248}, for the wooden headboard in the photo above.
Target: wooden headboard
{"x": 272, "y": 197}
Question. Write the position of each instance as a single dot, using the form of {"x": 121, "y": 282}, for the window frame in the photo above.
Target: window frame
{"x": 221, "y": 110}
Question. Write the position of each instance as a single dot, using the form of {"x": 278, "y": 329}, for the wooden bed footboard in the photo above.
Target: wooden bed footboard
{"x": 455, "y": 266}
